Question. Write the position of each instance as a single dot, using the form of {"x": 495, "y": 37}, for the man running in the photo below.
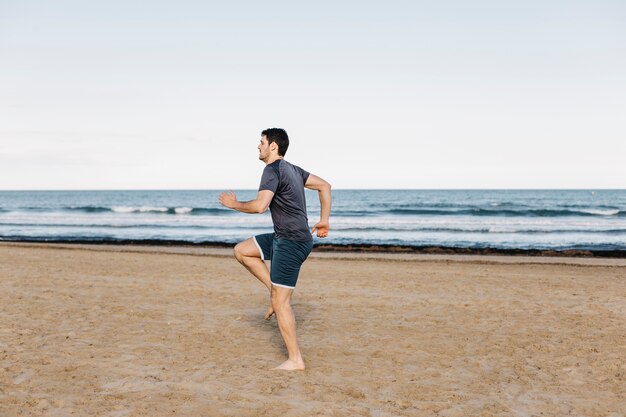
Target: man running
{"x": 282, "y": 191}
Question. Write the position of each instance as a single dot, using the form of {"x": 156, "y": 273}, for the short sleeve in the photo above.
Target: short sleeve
{"x": 269, "y": 180}
{"x": 304, "y": 174}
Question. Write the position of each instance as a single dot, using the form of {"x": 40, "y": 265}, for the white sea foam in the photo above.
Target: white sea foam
{"x": 149, "y": 209}
{"x": 601, "y": 212}
{"x": 122, "y": 209}
{"x": 183, "y": 210}
{"x": 142, "y": 209}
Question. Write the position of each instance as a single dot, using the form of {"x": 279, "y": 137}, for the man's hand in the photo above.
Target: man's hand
{"x": 322, "y": 229}
{"x": 228, "y": 199}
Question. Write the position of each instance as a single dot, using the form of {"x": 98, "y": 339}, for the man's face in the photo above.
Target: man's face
{"x": 264, "y": 148}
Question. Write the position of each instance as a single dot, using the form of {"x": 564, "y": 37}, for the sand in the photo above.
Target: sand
{"x": 123, "y": 331}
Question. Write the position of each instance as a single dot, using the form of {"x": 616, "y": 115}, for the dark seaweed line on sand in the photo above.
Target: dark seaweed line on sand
{"x": 356, "y": 248}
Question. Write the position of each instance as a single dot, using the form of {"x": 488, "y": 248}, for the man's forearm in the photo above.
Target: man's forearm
{"x": 250, "y": 207}
{"x": 325, "y": 203}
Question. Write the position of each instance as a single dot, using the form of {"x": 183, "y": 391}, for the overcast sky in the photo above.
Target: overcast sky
{"x": 394, "y": 94}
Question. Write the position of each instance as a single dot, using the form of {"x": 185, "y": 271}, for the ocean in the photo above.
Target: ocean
{"x": 498, "y": 219}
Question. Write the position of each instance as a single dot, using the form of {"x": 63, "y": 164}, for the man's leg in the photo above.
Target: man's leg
{"x": 281, "y": 302}
{"x": 247, "y": 253}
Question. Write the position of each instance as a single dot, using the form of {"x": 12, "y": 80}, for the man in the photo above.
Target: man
{"x": 282, "y": 191}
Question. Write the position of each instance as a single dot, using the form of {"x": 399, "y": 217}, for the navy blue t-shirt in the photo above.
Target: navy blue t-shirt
{"x": 288, "y": 207}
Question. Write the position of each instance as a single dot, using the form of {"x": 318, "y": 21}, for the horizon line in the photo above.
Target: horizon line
{"x": 336, "y": 189}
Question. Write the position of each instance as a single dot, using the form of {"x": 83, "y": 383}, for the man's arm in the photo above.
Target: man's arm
{"x": 258, "y": 205}
{"x": 323, "y": 189}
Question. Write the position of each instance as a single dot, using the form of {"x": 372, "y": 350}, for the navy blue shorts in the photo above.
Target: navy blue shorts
{"x": 286, "y": 255}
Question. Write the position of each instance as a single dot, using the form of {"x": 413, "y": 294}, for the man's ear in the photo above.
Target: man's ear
{"x": 273, "y": 146}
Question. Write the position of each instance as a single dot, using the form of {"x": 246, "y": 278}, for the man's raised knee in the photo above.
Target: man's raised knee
{"x": 237, "y": 252}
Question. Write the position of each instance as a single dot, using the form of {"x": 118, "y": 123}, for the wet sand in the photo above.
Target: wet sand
{"x": 128, "y": 331}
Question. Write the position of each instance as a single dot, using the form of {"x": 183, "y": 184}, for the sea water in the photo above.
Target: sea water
{"x": 505, "y": 219}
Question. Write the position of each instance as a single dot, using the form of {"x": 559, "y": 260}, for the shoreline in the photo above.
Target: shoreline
{"x": 338, "y": 255}
{"x": 352, "y": 248}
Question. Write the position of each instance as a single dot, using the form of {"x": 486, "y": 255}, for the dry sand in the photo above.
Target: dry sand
{"x": 116, "y": 332}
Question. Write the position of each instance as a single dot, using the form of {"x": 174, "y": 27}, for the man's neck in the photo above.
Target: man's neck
{"x": 272, "y": 159}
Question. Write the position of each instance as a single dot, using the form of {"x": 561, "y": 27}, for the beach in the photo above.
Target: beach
{"x": 161, "y": 331}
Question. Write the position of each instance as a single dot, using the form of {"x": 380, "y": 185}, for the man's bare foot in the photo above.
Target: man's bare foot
{"x": 291, "y": 365}
{"x": 269, "y": 313}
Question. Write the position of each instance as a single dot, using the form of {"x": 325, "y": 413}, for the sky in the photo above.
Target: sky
{"x": 395, "y": 94}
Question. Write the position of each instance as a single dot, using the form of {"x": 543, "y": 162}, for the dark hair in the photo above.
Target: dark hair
{"x": 279, "y": 136}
